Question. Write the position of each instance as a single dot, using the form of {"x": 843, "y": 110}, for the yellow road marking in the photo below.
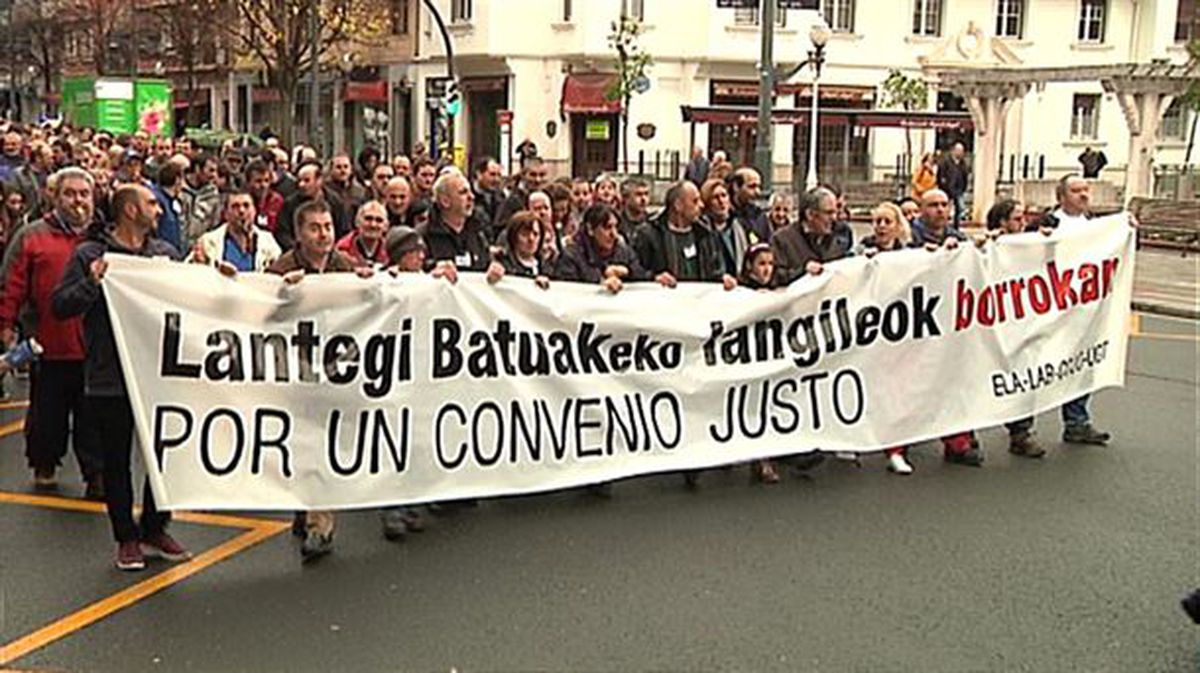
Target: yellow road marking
{"x": 12, "y": 428}
{"x": 255, "y": 531}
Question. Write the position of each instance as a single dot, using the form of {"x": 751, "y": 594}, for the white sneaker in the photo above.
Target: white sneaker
{"x": 897, "y": 464}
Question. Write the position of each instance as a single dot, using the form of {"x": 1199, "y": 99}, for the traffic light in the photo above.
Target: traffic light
{"x": 453, "y": 101}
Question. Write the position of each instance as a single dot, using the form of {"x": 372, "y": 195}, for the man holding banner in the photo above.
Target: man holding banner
{"x": 136, "y": 212}
{"x": 314, "y": 253}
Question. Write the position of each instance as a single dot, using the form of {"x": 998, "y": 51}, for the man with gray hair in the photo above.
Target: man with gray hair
{"x": 33, "y": 264}
{"x": 807, "y": 245}
{"x": 452, "y": 235}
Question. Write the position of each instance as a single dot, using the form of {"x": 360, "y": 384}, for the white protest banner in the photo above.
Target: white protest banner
{"x": 343, "y": 392}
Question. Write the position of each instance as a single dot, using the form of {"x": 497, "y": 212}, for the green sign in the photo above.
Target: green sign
{"x": 596, "y": 129}
{"x": 120, "y": 105}
{"x": 154, "y": 107}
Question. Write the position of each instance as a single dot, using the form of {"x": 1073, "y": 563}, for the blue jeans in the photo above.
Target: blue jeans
{"x": 960, "y": 207}
{"x": 1075, "y": 413}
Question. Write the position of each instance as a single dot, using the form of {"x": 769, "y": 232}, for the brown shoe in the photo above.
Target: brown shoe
{"x": 1026, "y": 446}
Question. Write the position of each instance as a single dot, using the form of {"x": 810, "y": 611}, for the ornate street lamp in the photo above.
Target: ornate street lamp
{"x": 819, "y": 35}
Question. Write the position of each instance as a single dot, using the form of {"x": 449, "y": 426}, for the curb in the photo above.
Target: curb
{"x": 1168, "y": 311}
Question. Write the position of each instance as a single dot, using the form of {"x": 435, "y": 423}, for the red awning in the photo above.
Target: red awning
{"x": 748, "y": 116}
{"x": 366, "y": 92}
{"x": 588, "y": 93}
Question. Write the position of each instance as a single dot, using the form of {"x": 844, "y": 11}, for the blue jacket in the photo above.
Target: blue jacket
{"x": 168, "y": 223}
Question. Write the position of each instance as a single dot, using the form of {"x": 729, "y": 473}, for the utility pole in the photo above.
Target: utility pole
{"x": 314, "y": 90}
{"x": 766, "y": 93}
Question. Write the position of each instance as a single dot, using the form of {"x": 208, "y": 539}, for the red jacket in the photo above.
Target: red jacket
{"x": 33, "y": 265}
{"x": 268, "y": 211}
{"x": 348, "y": 246}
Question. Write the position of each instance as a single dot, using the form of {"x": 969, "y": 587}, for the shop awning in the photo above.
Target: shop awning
{"x": 588, "y": 93}
{"x": 748, "y": 116}
{"x": 366, "y": 92}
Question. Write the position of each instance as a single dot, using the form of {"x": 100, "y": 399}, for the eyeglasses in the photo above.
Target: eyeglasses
{"x": 373, "y": 218}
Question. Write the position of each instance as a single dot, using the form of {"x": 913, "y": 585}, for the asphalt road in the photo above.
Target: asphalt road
{"x": 1071, "y": 563}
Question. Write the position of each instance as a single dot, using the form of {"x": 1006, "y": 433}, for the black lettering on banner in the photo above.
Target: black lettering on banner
{"x": 784, "y": 403}
{"x": 533, "y": 442}
{"x": 206, "y": 436}
{"x": 923, "y": 317}
{"x": 813, "y": 380}
{"x": 481, "y": 363}
{"x": 161, "y": 442}
{"x": 582, "y": 423}
{"x": 226, "y": 362}
{"x": 258, "y": 357}
{"x": 335, "y": 426}
{"x": 761, "y": 414}
{"x": 629, "y": 431}
{"x": 620, "y": 356}
{"x": 437, "y": 436}
{"x": 476, "y": 445}
{"x": 558, "y": 439}
{"x": 447, "y": 357}
{"x": 730, "y": 394}
{"x": 382, "y": 433}
{"x": 895, "y": 321}
{"x": 868, "y": 325}
{"x": 171, "y": 345}
{"x": 377, "y": 364}
{"x": 675, "y": 416}
{"x": 807, "y": 351}
{"x": 341, "y": 349}
{"x": 532, "y": 354}
{"x": 278, "y": 442}
{"x": 305, "y": 341}
{"x": 859, "y": 398}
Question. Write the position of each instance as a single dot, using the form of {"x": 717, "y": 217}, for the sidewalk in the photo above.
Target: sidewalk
{"x": 1166, "y": 283}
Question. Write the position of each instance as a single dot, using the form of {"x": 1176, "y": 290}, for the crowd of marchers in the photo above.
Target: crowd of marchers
{"x": 72, "y": 195}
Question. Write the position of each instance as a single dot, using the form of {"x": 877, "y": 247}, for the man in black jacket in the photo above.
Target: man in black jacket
{"x": 489, "y": 193}
{"x": 533, "y": 179}
{"x": 676, "y": 246}
{"x": 451, "y": 234}
{"x": 136, "y": 211}
{"x": 954, "y": 175}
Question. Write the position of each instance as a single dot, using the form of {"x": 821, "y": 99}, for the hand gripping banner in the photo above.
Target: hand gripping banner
{"x": 344, "y": 392}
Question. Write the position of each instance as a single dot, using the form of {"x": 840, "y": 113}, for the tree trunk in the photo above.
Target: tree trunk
{"x": 625, "y": 134}
{"x": 189, "y": 117}
{"x": 285, "y": 125}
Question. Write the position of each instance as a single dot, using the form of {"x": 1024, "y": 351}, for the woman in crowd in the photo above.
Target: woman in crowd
{"x": 560, "y": 213}
{"x": 607, "y": 191}
{"x": 758, "y": 273}
{"x": 779, "y": 212}
{"x": 599, "y": 255}
{"x": 1006, "y": 217}
{"x": 521, "y": 255}
{"x": 890, "y": 233}
{"x": 925, "y": 177}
